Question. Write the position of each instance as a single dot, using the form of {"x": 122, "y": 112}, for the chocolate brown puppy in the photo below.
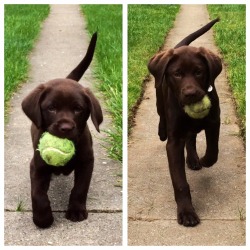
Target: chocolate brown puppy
{"x": 62, "y": 108}
{"x": 183, "y": 76}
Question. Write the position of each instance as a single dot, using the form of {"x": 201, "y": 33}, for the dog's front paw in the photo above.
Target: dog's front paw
{"x": 43, "y": 220}
{"x": 208, "y": 161}
{"x": 76, "y": 214}
{"x": 188, "y": 218}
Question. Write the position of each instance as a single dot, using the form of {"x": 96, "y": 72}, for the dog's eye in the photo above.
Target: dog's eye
{"x": 77, "y": 110}
{"x": 52, "y": 109}
{"x": 198, "y": 73}
{"x": 177, "y": 74}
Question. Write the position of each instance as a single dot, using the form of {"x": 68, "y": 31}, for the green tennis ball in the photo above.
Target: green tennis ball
{"x": 199, "y": 109}
{"x": 55, "y": 151}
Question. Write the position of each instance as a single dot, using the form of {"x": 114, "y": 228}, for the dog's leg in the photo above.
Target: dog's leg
{"x": 186, "y": 214}
{"x": 77, "y": 202}
{"x": 192, "y": 159}
{"x": 42, "y": 213}
{"x": 212, "y": 137}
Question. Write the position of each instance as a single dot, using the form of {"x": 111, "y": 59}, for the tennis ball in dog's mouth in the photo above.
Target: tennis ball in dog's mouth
{"x": 55, "y": 151}
{"x": 199, "y": 109}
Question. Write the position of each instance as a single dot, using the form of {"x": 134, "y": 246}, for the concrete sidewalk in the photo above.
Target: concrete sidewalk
{"x": 62, "y": 44}
{"x": 218, "y": 193}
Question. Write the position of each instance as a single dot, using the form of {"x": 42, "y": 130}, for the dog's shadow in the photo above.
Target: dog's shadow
{"x": 205, "y": 194}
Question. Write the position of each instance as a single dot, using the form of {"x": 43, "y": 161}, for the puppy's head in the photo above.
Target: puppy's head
{"x": 187, "y": 71}
{"x": 62, "y": 107}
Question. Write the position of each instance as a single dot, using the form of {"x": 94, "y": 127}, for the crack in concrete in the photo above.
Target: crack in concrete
{"x": 157, "y": 219}
{"x": 108, "y": 211}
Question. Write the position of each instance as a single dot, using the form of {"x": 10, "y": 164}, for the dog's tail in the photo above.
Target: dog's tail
{"x": 190, "y": 38}
{"x": 78, "y": 72}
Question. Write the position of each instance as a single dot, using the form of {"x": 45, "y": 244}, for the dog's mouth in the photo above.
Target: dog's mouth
{"x": 191, "y": 96}
{"x": 70, "y": 136}
{"x": 190, "y": 101}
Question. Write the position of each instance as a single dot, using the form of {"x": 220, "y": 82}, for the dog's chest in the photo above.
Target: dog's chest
{"x": 196, "y": 125}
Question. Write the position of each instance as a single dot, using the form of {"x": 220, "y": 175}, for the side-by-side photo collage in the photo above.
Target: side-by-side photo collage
{"x": 124, "y": 124}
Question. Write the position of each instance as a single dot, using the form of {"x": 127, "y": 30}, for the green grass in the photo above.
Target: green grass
{"x": 242, "y": 214}
{"x": 230, "y": 36}
{"x": 20, "y": 206}
{"x": 22, "y": 24}
{"x": 147, "y": 28}
{"x": 107, "y": 20}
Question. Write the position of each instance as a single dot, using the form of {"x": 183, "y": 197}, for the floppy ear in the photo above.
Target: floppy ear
{"x": 213, "y": 62}
{"x": 31, "y": 105}
{"x": 95, "y": 109}
{"x": 157, "y": 65}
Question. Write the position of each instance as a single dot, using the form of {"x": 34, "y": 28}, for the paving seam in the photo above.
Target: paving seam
{"x": 94, "y": 211}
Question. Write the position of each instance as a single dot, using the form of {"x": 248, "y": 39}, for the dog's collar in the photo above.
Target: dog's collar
{"x": 210, "y": 88}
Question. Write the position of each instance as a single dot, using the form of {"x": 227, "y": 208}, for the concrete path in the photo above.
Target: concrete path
{"x": 62, "y": 44}
{"x": 218, "y": 193}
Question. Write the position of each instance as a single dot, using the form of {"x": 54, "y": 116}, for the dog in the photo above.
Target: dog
{"x": 183, "y": 76}
{"x": 62, "y": 108}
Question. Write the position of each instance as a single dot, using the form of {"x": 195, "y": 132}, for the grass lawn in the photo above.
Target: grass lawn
{"x": 22, "y": 24}
{"x": 230, "y": 36}
{"x": 107, "y": 20}
{"x": 147, "y": 27}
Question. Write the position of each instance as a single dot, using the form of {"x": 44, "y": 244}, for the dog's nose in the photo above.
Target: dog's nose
{"x": 190, "y": 92}
{"x": 191, "y": 95}
{"x": 66, "y": 127}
